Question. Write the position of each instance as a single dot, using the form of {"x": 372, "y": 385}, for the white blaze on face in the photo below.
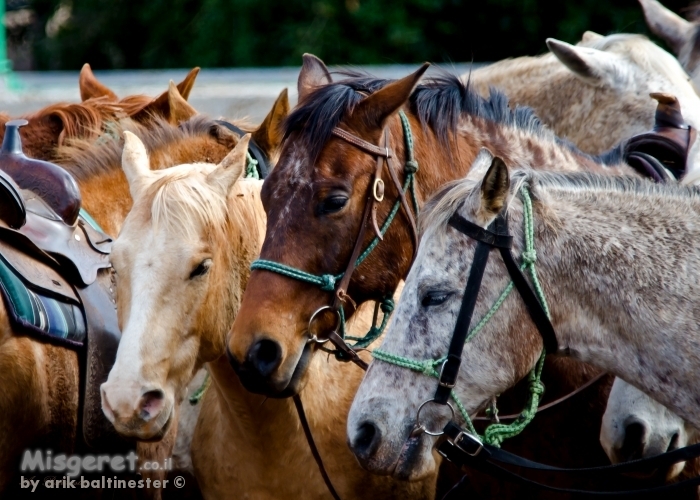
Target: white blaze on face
{"x": 163, "y": 257}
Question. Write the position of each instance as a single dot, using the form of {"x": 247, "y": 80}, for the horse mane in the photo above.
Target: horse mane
{"x": 84, "y": 119}
{"x": 85, "y": 158}
{"x": 439, "y": 103}
{"x": 438, "y": 210}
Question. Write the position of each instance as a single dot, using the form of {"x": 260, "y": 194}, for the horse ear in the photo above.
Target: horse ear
{"x": 670, "y": 27}
{"x": 135, "y": 164}
{"x": 494, "y": 189}
{"x": 91, "y": 88}
{"x": 378, "y": 106}
{"x": 268, "y": 136}
{"x": 591, "y": 65}
{"x": 227, "y": 173}
{"x": 185, "y": 86}
{"x": 314, "y": 73}
{"x": 169, "y": 105}
{"x": 591, "y": 36}
{"x": 179, "y": 109}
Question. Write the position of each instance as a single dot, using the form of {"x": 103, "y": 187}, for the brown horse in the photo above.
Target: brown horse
{"x": 40, "y": 396}
{"x": 314, "y": 199}
{"x": 50, "y": 127}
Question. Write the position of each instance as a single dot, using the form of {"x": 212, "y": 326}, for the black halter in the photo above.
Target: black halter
{"x": 464, "y": 449}
{"x": 253, "y": 149}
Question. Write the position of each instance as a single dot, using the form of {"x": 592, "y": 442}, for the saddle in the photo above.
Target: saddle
{"x": 56, "y": 280}
{"x": 661, "y": 154}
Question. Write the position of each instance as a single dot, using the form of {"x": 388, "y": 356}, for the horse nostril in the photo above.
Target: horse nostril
{"x": 366, "y": 438}
{"x": 151, "y": 404}
{"x": 265, "y": 356}
{"x": 635, "y": 440}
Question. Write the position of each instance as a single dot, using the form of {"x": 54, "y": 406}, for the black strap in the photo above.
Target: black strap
{"x": 532, "y": 303}
{"x": 450, "y": 367}
{"x": 254, "y": 149}
{"x": 312, "y": 445}
{"x": 474, "y": 231}
{"x": 455, "y": 455}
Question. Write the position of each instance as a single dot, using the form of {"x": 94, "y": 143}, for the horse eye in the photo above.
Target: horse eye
{"x": 201, "y": 269}
{"x": 333, "y": 204}
{"x": 435, "y": 298}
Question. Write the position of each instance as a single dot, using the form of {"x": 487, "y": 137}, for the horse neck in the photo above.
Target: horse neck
{"x": 621, "y": 286}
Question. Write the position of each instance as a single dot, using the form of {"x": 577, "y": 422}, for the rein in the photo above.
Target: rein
{"x": 464, "y": 446}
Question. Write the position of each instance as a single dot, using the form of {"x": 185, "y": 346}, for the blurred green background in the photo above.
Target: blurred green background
{"x": 136, "y": 34}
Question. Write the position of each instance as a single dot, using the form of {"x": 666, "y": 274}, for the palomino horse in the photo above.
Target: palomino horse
{"x": 314, "y": 200}
{"x": 207, "y": 227}
{"x": 41, "y": 385}
{"x": 603, "y": 82}
{"x": 99, "y": 114}
{"x": 680, "y": 35}
{"x": 615, "y": 252}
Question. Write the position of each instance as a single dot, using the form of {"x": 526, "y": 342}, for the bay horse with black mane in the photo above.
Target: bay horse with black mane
{"x": 314, "y": 200}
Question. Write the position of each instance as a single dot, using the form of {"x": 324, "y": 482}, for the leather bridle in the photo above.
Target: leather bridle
{"x": 463, "y": 448}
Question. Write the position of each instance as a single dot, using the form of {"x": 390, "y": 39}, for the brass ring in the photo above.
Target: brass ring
{"x": 314, "y": 337}
{"x": 377, "y": 183}
{"x": 421, "y": 427}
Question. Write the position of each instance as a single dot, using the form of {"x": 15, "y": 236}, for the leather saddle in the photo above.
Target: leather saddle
{"x": 661, "y": 154}
{"x": 57, "y": 253}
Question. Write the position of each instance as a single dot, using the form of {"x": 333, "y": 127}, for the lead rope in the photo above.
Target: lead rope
{"x": 495, "y": 433}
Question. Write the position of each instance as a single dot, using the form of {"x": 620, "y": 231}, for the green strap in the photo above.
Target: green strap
{"x": 496, "y": 433}
{"x": 199, "y": 393}
{"x": 327, "y": 282}
{"x": 251, "y": 167}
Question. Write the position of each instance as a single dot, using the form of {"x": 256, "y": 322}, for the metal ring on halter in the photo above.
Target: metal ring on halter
{"x": 378, "y": 189}
{"x": 420, "y": 426}
{"x": 314, "y": 337}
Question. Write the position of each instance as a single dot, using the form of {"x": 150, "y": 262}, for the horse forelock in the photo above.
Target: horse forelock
{"x": 439, "y": 103}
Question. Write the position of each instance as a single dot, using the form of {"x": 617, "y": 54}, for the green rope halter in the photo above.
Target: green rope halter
{"x": 327, "y": 282}
{"x": 495, "y": 433}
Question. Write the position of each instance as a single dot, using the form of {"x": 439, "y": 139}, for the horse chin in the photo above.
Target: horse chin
{"x": 160, "y": 433}
{"x": 416, "y": 461}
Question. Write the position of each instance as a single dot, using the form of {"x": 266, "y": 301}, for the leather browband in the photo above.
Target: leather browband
{"x": 362, "y": 144}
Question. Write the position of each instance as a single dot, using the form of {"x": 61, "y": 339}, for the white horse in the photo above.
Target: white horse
{"x": 616, "y": 253}
{"x": 596, "y": 93}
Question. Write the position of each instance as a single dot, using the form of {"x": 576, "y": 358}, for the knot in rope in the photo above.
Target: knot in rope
{"x": 327, "y": 282}
{"x": 387, "y": 306}
{"x": 427, "y": 367}
{"x": 411, "y": 166}
{"x": 537, "y": 388}
{"x": 529, "y": 257}
{"x": 251, "y": 168}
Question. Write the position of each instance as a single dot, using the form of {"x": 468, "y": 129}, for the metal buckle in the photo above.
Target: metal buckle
{"x": 421, "y": 428}
{"x": 473, "y": 439}
{"x": 440, "y": 382}
{"x": 378, "y": 183}
{"x": 314, "y": 337}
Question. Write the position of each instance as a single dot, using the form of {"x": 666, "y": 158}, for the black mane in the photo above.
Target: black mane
{"x": 438, "y": 103}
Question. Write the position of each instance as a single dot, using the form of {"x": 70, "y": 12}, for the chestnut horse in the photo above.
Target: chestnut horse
{"x": 40, "y": 399}
{"x": 314, "y": 198}
{"x": 98, "y": 114}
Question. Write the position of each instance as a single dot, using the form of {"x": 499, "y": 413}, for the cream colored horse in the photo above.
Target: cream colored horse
{"x": 183, "y": 260}
{"x": 596, "y": 93}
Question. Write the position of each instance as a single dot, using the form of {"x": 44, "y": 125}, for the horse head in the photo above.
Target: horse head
{"x": 314, "y": 200}
{"x": 178, "y": 268}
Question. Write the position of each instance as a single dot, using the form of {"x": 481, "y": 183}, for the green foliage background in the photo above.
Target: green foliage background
{"x": 224, "y": 33}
